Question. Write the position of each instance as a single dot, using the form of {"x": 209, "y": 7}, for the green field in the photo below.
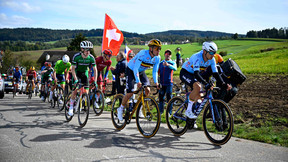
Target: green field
{"x": 245, "y": 52}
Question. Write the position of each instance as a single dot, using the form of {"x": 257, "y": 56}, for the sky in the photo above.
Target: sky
{"x": 146, "y": 16}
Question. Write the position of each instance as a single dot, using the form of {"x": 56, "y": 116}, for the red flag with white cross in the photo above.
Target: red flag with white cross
{"x": 112, "y": 36}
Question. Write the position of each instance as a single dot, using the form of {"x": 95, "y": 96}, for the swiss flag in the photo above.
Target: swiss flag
{"x": 112, "y": 36}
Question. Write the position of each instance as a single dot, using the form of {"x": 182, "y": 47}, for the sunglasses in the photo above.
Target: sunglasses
{"x": 86, "y": 49}
{"x": 158, "y": 48}
{"x": 211, "y": 53}
{"x": 130, "y": 57}
{"x": 108, "y": 55}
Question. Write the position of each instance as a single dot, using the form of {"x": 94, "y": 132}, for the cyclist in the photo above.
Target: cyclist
{"x": 46, "y": 76}
{"x": 60, "y": 74}
{"x": 119, "y": 72}
{"x": 166, "y": 69}
{"x": 135, "y": 72}
{"x": 102, "y": 62}
{"x": 17, "y": 77}
{"x": 190, "y": 74}
{"x": 31, "y": 76}
{"x": 80, "y": 65}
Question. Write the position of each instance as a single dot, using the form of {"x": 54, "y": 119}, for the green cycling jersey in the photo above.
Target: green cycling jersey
{"x": 83, "y": 64}
{"x": 60, "y": 67}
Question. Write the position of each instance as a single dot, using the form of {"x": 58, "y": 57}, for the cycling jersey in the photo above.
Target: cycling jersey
{"x": 48, "y": 73}
{"x": 17, "y": 74}
{"x": 197, "y": 63}
{"x": 60, "y": 67}
{"x": 31, "y": 74}
{"x": 101, "y": 65}
{"x": 141, "y": 62}
{"x": 83, "y": 64}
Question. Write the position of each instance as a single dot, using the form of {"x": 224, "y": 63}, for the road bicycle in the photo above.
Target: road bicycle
{"x": 46, "y": 89}
{"x": 147, "y": 113}
{"x": 81, "y": 105}
{"x": 217, "y": 117}
{"x": 30, "y": 92}
{"x": 57, "y": 98}
{"x": 96, "y": 99}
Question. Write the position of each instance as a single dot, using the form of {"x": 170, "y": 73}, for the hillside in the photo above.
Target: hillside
{"x": 45, "y": 35}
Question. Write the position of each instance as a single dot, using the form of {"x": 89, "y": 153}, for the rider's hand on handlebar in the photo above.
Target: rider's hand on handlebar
{"x": 139, "y": 85}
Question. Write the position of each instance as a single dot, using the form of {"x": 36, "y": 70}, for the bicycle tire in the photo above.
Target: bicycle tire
{"x": 30, "y": 92}
{"x": 67, "y": 106}
{"x": 177, "y": 126}
{"x": 14, "y": 91}
{"x": 100, "y": 103}
{"x": 148, "y": 125}
{"x": 60, "y": 106}
{"x": 217, "y": 133}
{"x": 119, "y": 125}
{"x": 83, "y": 110}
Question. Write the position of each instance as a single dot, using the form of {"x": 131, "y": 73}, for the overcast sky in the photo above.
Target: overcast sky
{"x": 146, "y": 16}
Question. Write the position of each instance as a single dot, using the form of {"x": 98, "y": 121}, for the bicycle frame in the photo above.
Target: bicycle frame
{"x": 80, "y": 91}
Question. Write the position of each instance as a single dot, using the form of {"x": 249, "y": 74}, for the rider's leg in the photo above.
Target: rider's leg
{"x": 194, "y": 96}
{"x": 52, "y": 89}
{"x": 33, "y": 85}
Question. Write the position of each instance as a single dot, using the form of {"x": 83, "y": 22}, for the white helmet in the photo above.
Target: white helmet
{"x": 65, "y": 59}
{"x": 210, "y": 46}
{"x": 86, "y": 44}
{"x": 47, "y": 57}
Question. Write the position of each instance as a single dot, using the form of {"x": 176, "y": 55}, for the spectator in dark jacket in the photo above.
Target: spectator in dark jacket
{"x": 119, "y": 72}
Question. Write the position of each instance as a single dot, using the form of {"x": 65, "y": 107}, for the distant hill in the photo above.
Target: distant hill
{"x": 191, "y": 33}
{"x": 44, "y": 35}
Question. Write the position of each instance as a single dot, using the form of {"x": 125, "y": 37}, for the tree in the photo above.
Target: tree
{"x": 235, "y": 36}
{"x": 75, "y": 44}
{"x": 8, "y": 61}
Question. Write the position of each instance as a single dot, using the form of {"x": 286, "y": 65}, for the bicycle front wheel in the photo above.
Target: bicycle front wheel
{"x": 119, "y": 125}
{"x": 98, "y": 102}
{"x": 220, "y": 131}
{"x": 175, "y": 116}
{"x": 148, "y": 117}
{"x": 67, "y": 106}
{"x": 83, "y": 110}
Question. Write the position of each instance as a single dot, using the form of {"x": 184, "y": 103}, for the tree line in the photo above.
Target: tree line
{"x": 281, "y": 33}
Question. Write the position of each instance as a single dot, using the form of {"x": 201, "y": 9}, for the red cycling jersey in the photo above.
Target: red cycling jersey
{"x": 31, "y": 74}
{"x": 100, "y": 66}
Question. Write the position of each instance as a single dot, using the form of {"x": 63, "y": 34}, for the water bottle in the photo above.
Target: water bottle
{"x": 201, "y": 107}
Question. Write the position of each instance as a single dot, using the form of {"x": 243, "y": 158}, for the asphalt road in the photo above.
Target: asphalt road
{"x": 31, "y": 131}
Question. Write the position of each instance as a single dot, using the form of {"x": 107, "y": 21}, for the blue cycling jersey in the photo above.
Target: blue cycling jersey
{"x": 197, "y": 63}
{"x": 17, "y": 74}
{"x": 141, "y": 62}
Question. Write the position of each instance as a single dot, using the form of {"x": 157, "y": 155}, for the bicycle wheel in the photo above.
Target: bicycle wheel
{"x": 148, "y": 117}
{"x": 119, "y": 125}
{"x": 30, "y": 92}
{"x": 60, "y": 104}
{"x": 98, "y": 102}
{"x": 83, "y": 110}
{"x": 175, "y": 116}
{"x": 14, "y": 91}
{"x": 67, "y": 106}
{"x": 221, "y": 131}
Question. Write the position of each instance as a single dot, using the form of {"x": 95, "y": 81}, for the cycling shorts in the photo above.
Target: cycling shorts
{"x": 45, "y": 79}
{"x": 187, "y": 77}
{"x": 82, "y": 78}
{"x": 31, "y": 78}
{"x": 17, "y": 80}
{"x": 60, "y": 78}
{"x": 130, "y": 78}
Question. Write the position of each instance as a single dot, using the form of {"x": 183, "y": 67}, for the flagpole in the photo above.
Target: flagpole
{"x": 103, "y": 34}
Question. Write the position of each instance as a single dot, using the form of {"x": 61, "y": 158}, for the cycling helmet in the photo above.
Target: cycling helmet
{"x": 168, "y": 50}
{"x": 47, "y": 57}
{"x": 154, "y": 42}
{"x": 46, "y": 64}
{"x": 86, "y": 44}
{"x": 32, "y": 68}
{"x": 65, "y": 59}
{"x": 107, "y": 52}
{"x": 210, "y": 47}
